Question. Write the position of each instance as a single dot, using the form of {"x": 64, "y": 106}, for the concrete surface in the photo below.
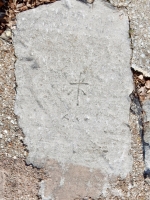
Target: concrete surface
{"x": 74, "y": 79}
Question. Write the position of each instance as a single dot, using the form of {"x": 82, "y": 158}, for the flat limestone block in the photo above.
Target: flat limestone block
{"x": 74, "y": 80}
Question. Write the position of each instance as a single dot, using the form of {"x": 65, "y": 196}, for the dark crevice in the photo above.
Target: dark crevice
{"x": 136, "y": 109}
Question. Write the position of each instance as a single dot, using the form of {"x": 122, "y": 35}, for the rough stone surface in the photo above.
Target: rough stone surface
{"x": 2, "y": 183}
{"x": 74, "y": 80}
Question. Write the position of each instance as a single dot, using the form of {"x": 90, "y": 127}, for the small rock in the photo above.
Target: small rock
{"x": 13, "y": 122}
{"x": 140, "y": 77}
{"x": 23, "y": 8}
{"x": 147, "y": 85}
{"x": 20, "y": 5}
{"x": 8, "y": 33}
{"x": 5, "y": 131}
{"x": 90, "y": 1}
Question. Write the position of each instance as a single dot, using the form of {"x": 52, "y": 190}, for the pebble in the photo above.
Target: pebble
{"x": 6, "y": 36}
{"x": 8, "y": 33}
{"x": 140, "y": 77}
{"x": 148, "y": 91}
{"x": 5, "y": 131}
{"x": 147, "y": 84}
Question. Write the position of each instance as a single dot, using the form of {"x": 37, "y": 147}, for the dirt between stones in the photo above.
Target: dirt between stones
{"x": 19, "y": 181}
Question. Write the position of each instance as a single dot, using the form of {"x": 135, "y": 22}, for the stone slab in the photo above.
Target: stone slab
{"x": 73, "y": 84}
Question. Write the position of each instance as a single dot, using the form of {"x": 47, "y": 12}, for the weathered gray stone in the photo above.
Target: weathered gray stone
{"x": 146, "y": 142}
{"x": 73, "y": 76}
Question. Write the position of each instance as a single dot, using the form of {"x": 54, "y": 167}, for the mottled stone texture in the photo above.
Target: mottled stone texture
{"x": 72, "y": 101}
{"x": 2, "y": 183}
{"x": 72, "y": 181}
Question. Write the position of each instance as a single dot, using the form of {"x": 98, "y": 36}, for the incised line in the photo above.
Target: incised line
{"x": 78, "y": 90}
